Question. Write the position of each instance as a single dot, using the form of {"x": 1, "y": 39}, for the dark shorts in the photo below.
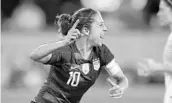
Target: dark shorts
{"x": 47, "y": 95}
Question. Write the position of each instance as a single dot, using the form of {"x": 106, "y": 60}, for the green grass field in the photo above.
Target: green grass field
{"x": 96, "y": 94}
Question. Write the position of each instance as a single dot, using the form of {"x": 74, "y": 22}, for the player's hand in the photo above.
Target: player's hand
{"x": 147, "y": 67}
{"x": 115, "y": 91}
{"x": 72, "y": 34}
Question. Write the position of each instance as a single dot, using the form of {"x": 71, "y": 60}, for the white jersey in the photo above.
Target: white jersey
{"x": 168, "y": 77}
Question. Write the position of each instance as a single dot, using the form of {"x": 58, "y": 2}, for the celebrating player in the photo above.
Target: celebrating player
{"x": 77, "y": 60}
{"x": 151, "y": 66}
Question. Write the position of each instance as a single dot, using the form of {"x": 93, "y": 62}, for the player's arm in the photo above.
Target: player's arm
{"x": 149, "y": 66}
{"x": 115, "y": 71}
{"x": 43, "y": 53}
{"x": 165, "y": 68}
{"x": 167, "y": 65}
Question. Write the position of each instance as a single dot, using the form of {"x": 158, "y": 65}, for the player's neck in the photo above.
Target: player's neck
{"x": 83, "y": 46}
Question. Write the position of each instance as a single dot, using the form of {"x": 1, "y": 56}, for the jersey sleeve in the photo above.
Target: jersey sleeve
{"x": 106, "y": 55}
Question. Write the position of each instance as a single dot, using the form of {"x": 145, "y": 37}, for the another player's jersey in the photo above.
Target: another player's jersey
{"x": 71, "y": 75}
{"x": 168, "y": 77}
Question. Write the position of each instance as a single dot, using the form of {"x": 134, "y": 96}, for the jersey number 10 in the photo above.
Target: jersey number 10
{"x": 74, "y": 78}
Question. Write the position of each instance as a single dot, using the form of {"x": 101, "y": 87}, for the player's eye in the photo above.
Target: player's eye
{"x": 101, "y": 25}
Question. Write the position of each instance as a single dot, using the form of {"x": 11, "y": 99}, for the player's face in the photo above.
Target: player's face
{"x": 165, "y": 14}
{"x": 97, "y": 31}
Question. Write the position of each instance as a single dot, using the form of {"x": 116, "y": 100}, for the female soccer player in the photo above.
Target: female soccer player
{"x": 77, "y": 60}
{"x": 165, "y": 14}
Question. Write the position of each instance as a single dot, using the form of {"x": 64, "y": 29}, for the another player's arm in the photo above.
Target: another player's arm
{"x": 115, "y": 71}
{"x": 163, "y": 68}
{"x": 166, "y": 67}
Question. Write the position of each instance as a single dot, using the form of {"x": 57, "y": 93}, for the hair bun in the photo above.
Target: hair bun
{"x": 63, "y": 22}
{"x": 64, "y": 18}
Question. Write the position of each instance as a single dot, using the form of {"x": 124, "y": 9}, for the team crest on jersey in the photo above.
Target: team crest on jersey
{"x": 85, "y": 68}
{"x": 96, "y": 64}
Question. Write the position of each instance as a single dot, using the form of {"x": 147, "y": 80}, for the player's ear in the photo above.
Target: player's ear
{"x": 85, "y": 31}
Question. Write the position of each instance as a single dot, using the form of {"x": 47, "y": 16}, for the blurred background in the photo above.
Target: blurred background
{"x": 133, "y": 34}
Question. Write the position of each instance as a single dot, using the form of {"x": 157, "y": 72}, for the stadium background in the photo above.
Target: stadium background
{"x": 133, "y": 34}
